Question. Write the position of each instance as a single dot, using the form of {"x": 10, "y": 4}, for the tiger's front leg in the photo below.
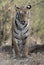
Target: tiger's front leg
{"x": 26, "y": 48}
{"x": 16, "y": 48}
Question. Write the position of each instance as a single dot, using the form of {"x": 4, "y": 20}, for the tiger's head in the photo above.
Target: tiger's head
{"x": 22, "y": 13}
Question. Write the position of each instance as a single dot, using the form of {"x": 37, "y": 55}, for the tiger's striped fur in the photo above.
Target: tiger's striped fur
{"x": 21, "y": 31}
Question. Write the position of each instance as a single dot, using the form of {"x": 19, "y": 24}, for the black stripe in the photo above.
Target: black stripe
{"x": 26, "y": 31}
{"x": 24, "y": 26}
{"x": 16, "y": 37}
{"x": 15, "y": 31}
{"x": 17, "y": 26}
{"x": 19, "y": 38}
{"x": 25, "y": 37}
{"x": 16, "y": 23}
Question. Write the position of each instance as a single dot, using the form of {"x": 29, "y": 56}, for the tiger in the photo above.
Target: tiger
{"x": 20, "y": 31}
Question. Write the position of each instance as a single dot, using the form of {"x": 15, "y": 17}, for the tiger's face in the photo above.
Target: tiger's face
{"x": 22, "y": 14}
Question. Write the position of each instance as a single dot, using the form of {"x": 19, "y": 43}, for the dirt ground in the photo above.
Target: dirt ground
{"x": 36, "y": 57}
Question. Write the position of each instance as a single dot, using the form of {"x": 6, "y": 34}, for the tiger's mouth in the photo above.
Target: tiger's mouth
{"x": 23, "y": 22}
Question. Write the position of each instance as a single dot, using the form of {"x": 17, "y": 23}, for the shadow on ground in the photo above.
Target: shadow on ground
{"x": 37, "y": 48}
{"x": 36, "y": 57}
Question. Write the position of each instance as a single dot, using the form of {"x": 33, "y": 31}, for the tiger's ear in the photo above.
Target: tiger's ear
{"x": 16, "y": 8}
{"x": 28, "y": 7}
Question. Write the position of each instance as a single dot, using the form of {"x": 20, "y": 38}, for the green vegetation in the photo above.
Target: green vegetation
{"x": 7, "y": 11}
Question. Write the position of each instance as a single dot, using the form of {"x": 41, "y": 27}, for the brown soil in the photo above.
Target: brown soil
{"x": 7, "y": 57}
